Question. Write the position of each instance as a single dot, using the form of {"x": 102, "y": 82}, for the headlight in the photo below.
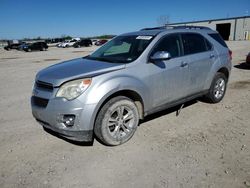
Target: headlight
{"x": 73, "y": 89}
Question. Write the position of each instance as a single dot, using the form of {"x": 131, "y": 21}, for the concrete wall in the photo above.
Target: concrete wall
{"x": 241, "y": 25}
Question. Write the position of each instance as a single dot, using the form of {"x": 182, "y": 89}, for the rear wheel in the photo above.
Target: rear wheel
{"x": 117, "y": 121}
{"x": 218, "y": 88}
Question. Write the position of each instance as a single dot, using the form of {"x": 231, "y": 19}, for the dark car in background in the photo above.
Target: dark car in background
{"x": 36, "y": 46}
{"x": 101, "y": 42}
{"x": 83, "y": 42}
{"x": 248, "y": 59}
{"x": 13, "y": 46}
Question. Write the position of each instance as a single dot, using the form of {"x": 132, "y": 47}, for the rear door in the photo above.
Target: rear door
{"x": 200, "y": 55}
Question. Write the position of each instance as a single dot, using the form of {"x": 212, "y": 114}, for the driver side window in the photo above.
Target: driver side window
{"x": 171, "y": 44}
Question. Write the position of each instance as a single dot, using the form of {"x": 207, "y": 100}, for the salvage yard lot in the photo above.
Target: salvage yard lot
{"x": 207, "y": 145}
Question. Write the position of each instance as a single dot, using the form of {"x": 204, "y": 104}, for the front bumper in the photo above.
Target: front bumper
{"x": 51, "y": 115}
{"x": 80, "y": 136}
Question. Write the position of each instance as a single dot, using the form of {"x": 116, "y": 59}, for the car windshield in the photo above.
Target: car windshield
{"x": 122, "y": 49}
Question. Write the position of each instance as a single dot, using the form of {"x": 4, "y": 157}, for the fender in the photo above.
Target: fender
{"x": 101, "y": 91}
{"x": 217, "y": 65}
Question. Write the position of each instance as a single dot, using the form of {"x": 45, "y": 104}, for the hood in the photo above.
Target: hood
{"x": 76, "y": 68}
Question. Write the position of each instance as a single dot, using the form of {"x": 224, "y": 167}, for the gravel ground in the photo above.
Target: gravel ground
{"x": 207, "y": 145}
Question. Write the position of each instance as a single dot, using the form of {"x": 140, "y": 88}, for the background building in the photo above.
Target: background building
{"x": 236, "y": 28}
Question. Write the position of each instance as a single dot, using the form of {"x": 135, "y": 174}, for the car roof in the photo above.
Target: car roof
{"x": 155, "y": 31}
{"x": 145, "y": 32}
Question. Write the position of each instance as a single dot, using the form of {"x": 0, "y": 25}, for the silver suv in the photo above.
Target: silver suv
{"x": 130, "y": 77}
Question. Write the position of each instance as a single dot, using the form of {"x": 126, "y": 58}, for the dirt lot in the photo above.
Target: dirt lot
{"x": 205, "y": 146}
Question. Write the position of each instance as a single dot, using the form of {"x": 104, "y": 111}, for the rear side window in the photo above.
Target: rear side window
{"x": 218, "y": 38}
{"x": 193, "y": 43}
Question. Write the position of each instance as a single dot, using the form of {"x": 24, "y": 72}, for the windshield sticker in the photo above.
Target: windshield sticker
{"x": 144, "y": 37}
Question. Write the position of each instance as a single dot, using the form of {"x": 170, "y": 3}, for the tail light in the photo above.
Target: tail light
{"x": 230, "y": 54}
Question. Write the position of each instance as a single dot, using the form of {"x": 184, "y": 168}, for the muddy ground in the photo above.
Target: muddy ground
{"x": 207, "y": 145}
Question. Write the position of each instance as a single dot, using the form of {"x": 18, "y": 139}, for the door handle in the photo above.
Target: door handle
{"x": 212, "y": 56}
{"x": 184, "y": 64}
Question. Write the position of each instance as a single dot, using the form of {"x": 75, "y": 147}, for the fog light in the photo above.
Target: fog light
{"x": 69, "y": 120}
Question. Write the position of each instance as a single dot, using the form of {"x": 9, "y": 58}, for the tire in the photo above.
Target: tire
{"x": 217, "y": 89}
{"x": 117, "y": 121}
{"x": 29, "y": 50}
{"x": 43, "y": 49}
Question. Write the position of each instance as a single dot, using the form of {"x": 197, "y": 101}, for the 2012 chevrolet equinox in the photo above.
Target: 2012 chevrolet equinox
{"x": 130, "y": 77}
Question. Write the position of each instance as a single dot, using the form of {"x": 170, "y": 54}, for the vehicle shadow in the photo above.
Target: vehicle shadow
{"x": 68, "y": 140}
{"x": 156, "y": 115}
{"x": 175, "y": 109}
{"x": 243, "y": 66}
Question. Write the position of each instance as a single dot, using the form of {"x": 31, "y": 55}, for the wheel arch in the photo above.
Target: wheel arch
{"x": 224, "y": 71}
{"x": 133, "y": 95}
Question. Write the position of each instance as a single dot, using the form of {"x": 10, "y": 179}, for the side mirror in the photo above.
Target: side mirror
{"x": 161, "y": 55}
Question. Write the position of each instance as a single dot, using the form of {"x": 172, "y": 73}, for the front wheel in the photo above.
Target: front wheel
{"x": 218, "y": 88}
{"x": 117, "y": 121}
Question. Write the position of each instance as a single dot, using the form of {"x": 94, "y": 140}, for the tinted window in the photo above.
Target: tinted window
{"x": 208, "y": 45}
{"x": 171, "y": 44}
{"x": 218, "y": 38}
{"x": 193, "y": 43}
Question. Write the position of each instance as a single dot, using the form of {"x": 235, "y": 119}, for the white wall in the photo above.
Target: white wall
{"x": 242, "y": 25}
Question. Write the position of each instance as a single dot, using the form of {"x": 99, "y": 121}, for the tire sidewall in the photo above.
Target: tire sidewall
{"x": 211, "y": 91}
{"x": 104, "y": 115}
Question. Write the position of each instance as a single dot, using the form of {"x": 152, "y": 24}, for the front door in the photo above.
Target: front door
{"x": 169, "y": 77}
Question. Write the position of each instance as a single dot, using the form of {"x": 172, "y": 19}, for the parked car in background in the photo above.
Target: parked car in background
{"x": 83, "y": 42}
{"x": 69, "y": 43}
{"x": 36, "y": 46}
{"x": 248, "y": 59}
{"x": 94, "y": 41}
{"x": 13, "y": 46}
{"x": 21, "y": 46}
{"x": 103, "y": 94}
{"x": 100, "y": 42}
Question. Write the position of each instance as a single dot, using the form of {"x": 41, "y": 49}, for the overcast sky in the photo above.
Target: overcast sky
{"x": 53, "y": 18}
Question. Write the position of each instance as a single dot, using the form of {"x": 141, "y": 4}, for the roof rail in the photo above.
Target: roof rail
{"x": 153, "y": 28}
{"x": 175, "y": 27}
{"x": 190, "y": 27}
